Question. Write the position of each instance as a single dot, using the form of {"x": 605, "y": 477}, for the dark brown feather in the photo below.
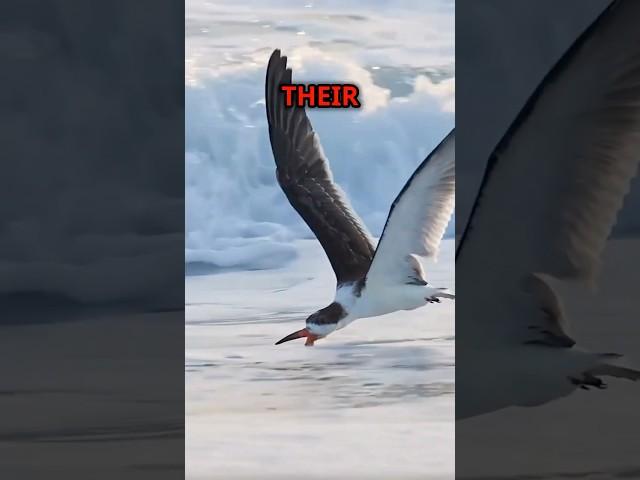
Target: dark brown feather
{"x": 305, "y": 177}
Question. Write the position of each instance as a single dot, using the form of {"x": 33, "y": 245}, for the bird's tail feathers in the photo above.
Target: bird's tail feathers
{"x": 445, "y": 293}
{"x": 611, "y": 370}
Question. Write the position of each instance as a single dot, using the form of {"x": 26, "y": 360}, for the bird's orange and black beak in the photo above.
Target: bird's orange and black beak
{"x": 304, "y": 333}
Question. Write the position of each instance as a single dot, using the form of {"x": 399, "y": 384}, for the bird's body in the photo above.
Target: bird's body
{"x": 371, "y": 280}
{"x": 357, "y": 303}
{"x": 381, "y": 301}
{"x": 546, "y": 206}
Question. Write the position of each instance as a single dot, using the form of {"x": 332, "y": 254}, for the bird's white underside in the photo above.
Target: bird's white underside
{"x": 375, "y": 301}
{"x": 414, "y": 228}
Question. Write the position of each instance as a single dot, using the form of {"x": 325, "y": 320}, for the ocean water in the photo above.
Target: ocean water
{"x": 373, "y": 400}
{"x": 401, "y": 53}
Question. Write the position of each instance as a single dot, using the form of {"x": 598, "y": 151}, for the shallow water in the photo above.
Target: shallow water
{"x": 384, "y": 384}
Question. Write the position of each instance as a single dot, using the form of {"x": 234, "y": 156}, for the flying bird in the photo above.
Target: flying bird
{"x": 545, "y": 208}
{"x": 370, "y": 281}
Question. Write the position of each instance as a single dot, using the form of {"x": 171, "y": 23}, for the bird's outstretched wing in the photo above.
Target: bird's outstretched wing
{"x": 305, "y": 177}
{"x": 417, "y": 219}
{"x": 556, "y": 181}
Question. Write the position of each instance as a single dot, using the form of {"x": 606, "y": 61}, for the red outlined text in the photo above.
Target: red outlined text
{"x": 321, "y": 95}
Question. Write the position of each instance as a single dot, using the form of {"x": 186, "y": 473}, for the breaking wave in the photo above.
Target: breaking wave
{"x": 236, "y": 214}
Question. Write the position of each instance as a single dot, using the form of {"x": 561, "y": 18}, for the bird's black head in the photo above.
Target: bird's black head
{"x": 319, "y": 324}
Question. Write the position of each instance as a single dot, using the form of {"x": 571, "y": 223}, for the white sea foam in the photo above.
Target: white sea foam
{"x": 236, "y": 214}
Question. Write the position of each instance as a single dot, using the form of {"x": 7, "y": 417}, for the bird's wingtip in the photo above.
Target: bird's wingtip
{"x": 276, "y": 56}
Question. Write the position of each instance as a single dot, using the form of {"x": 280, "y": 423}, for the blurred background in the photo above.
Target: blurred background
{"x": 504, "y": 50}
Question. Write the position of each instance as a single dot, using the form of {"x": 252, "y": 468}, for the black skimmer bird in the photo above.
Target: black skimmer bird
{"x": 370, "y": 281}
{"x": 545, "y": 208}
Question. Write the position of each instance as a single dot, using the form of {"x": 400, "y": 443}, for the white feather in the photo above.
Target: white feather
{"x": 418, "y": 218}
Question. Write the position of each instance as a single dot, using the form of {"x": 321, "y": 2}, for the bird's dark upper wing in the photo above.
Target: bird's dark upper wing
{"x": 305, "y": 177}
